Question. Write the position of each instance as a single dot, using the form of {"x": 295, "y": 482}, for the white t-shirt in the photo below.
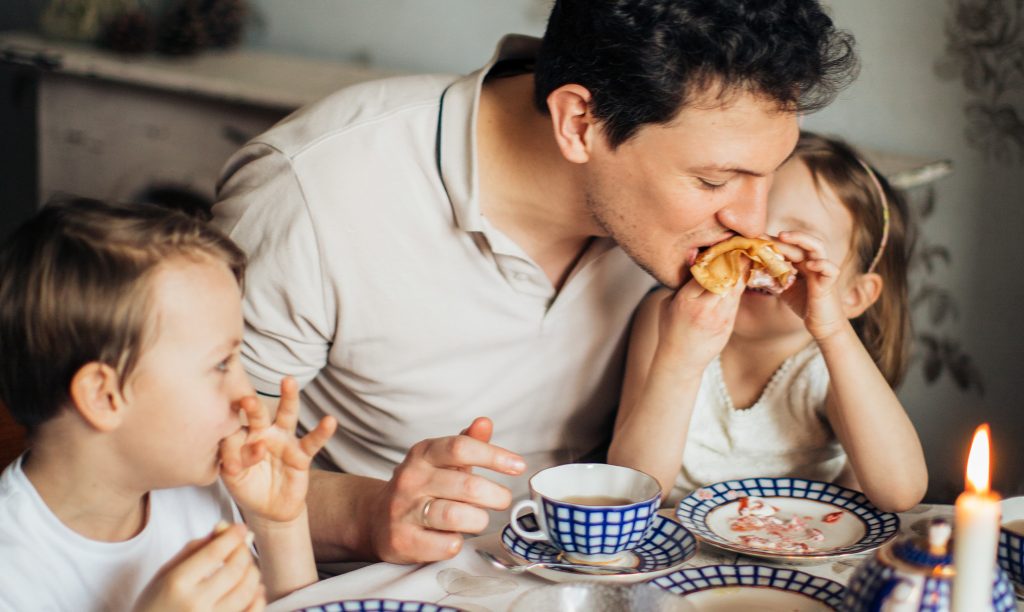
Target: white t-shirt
{"x": 44, "y": 565}
{"x": 784, "y": 433}
{"x": 376, "y": 281}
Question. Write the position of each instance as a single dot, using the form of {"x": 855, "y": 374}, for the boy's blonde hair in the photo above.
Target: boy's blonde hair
{"x": 74, "y": 288}
{"x": 884, "y": 328}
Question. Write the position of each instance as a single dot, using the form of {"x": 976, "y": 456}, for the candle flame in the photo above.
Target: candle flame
{"x": 978, "y": 461}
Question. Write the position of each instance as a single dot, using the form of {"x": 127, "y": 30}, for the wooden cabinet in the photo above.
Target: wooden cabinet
{"x": 113, "y": 127}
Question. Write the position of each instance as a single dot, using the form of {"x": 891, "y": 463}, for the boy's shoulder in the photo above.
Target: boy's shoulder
{"x": 23, "y": 575}
{"x": 18, "y": 502}
{"x": 40, "y": 551}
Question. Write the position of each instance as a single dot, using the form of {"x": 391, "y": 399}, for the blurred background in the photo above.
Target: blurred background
{"x": 181, "y": 84}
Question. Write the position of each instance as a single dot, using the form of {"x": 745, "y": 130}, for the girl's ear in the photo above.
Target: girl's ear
{"x": 861, "y": 294}
{"x": 573, "y": 125}
{"x": 96, "y": 396}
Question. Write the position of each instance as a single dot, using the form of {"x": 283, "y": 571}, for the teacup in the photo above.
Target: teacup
{"x": 590, "y": 511}
{"x": 1011, "y": 540}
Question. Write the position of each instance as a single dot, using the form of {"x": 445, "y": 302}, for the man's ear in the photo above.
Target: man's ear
{"x": 96, "y": 396}
{"x": 861, "y": 294}
{"x": 572, "y": 122}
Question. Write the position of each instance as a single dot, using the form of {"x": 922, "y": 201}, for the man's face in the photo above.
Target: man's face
{"x": 691, "y": 183}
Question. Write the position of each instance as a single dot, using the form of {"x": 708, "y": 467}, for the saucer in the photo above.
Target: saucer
{"x": 752, "y": 587}
{"x": 665, "y": 546}
{"x": 379, "y": 605}
{"x": 786, "y": 519}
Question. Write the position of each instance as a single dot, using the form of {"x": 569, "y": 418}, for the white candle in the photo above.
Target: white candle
{"x": 975, "y": 532}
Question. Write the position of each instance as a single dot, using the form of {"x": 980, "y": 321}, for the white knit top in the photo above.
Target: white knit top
{"x": 784, "y": 433}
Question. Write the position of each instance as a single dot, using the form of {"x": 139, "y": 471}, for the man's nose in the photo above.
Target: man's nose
{"x": 747, "y": 213}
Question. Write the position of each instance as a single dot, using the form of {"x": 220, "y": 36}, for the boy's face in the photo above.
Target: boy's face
{"x": 691, "y": 183}
{"x": 182, "y": 399}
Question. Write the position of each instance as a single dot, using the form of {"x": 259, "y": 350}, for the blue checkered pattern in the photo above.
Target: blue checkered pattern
{"x": 667, "y": 544}
{"x": 873, "y": 581}
{"x": 380, "y": 605}
{"x": 1011, "y": 555}
{"x": 880, "y": 526}
{"x": 598, "y": 530}
{"x": 695, "y": 579}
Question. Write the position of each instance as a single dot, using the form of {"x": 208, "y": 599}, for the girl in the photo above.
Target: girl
{"x": 799, "y": 384}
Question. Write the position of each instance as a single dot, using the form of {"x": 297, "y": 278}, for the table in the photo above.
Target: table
{"x": 470, "y": 582}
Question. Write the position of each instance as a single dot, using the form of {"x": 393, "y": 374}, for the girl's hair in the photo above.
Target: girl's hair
{"x": 884, "y": 328}
{"x": 75, "y": 288}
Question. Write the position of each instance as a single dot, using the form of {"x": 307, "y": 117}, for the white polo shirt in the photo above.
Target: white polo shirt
{"x": 377, "y": 283}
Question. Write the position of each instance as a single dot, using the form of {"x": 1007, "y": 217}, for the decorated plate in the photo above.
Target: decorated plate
{"x": 666, "y": 546}
{"x": 752, "y": 587}
{"x": 380, "y": 605}
{"x": 786, "y": 519}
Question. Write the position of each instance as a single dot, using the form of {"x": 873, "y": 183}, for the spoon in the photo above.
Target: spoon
{"x": 518, "y": 568}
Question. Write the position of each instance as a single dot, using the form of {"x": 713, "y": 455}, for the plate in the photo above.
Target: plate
{"x": 596, "y": 597}
{"x": 752, "y": 587}
{"x": 786, "y": 519}
{"x": 380, "y": 605}
{"x": 666, "y": 546}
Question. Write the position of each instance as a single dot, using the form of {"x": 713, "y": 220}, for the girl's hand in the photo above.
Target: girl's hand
{"x": 264, "y": 466}
{"x": 694, "y": 324}
{"x": 213, "y": 573}
{"x": 816, "y": 297}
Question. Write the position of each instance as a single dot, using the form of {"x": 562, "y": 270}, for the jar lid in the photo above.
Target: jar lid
{"x": 932, "y": 552}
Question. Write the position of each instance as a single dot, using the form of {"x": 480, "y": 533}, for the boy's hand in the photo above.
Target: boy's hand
{"x": 213, "y": 573}
{"x": 264, "y": 466}
{"x": 816, "y": 296}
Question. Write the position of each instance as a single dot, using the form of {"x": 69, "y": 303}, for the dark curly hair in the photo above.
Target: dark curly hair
{"x": 643, "y": 60}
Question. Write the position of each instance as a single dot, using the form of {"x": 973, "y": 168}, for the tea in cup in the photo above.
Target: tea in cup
{"x": 590, "y": 511}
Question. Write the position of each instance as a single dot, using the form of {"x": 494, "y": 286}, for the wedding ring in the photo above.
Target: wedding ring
{"x": 424, "y": 514}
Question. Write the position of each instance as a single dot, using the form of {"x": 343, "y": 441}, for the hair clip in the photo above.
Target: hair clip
{"x": 884, "y": 201}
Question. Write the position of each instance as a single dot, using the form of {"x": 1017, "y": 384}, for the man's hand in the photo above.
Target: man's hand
{"x": 434, "y": 497}
{"x": 213, "y": 573}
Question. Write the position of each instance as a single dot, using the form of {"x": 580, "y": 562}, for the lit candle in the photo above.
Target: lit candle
{"x": 975, "y": 532}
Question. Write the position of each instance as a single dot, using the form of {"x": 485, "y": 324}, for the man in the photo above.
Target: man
{"x": 429, "y": 249}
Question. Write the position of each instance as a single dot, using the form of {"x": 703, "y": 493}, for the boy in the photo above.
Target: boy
{"x": 120, "y": 329}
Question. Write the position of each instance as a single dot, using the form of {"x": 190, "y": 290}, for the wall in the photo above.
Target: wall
{"x": 898, "y": 104}
{"x": 413, "y": 35}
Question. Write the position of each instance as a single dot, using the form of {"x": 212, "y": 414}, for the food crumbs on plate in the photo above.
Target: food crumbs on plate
{"x": 832, "y": 517}
{"x": 792, "y": 535}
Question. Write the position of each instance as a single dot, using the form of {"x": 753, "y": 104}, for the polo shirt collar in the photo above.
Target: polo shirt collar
{"x": 456, "y": 132}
